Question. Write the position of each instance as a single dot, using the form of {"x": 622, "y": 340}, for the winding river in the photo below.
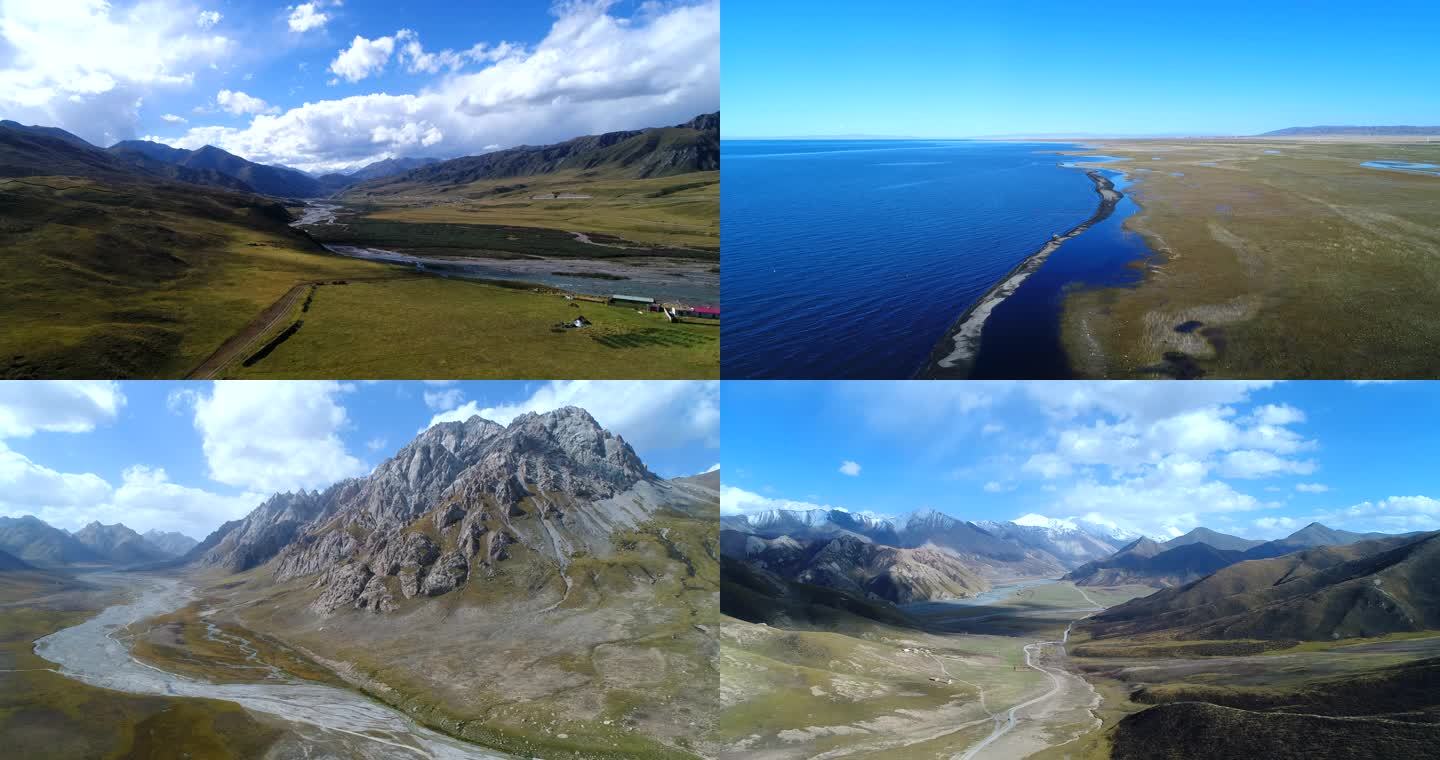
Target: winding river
{"x": 683, "y": 280}
{"x": 323, "y": 719}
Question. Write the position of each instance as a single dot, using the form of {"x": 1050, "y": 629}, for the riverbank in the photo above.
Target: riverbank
{"x": 1275, "y": 260}
{"x": 953, "y": 356}
{"x": 316, "y": 717}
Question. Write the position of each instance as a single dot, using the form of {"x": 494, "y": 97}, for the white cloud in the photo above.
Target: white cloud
{"x": 307, "y": 16}
{"x": 87, "y": 66}
{"x": 57, "y": 406}
{"x": 738, "y": 501}
{"x": 592, "y": 73}
{"x": 1311, "y": 487}
{"x": 375, "y": 444}
{"x": 144, "y": 500}
{"x": 1277, "y": 526}
{"x": 363, "y": 58}
{"x": 207, "y": 19}
{"x": 268, "y": 436}
{"x": 147, "y": 499}
{"x": 650, "y": 414}
{"x": 173, "y": 119}
{"x": 1251, "y": 464}
{"x": 850, "y": 468}
{"x": 996, "y": 486}
{"x": 238, "y": 103}
{"x": 444, "y": 400}
{"x": 30, "y": 488}
{"x": 1395, "y": 513}
{"x": 1278, "y": 414}
{"x": 417, "y": 60}
{"x": 992, "y": 428}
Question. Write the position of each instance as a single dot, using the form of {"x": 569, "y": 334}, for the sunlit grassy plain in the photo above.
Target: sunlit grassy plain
{"x": 1286, "y": 258}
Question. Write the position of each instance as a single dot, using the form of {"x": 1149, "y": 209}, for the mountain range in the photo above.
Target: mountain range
{"x": 1032, "y": 546}
{"x": 1199, "y": 553}
{"x": 36, "y": 542}
{"x": 43, "y": 151}
{"x": 1355, "y": 131}
{"x": 1363, "y": 588}
{"x": 657, "y": 152}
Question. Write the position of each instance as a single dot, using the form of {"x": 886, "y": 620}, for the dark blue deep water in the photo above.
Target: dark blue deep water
{"x": 850, "y": 259}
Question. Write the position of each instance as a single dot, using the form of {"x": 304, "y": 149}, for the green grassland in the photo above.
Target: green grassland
{"x": 431, "y": 327}
{"x": 1289, "y": 259}
{"x": 139, "y": 281}
{"x": 681, "y": 211}
{"x": 146, "y": 281}
{"x": 45, "y": 714}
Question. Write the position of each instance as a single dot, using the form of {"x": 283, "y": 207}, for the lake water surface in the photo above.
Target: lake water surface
{"x": 851, "y": 259}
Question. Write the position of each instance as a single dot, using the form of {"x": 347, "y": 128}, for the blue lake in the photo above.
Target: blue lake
{"x": 851, "y": 259}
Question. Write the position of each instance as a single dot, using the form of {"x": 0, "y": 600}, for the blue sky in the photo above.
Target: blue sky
{"x": 333, "y": 84}
{"x": 935, "y": 68}
{"x": 1257, "y": 460}
{"x": 189, "y": 456}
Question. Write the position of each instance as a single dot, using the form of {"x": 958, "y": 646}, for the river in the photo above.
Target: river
{"x": 681, "y": 280}
{"x": 325, "y": 720}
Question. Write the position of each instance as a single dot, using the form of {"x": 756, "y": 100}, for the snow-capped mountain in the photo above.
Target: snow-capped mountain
{"x": 1031, "y": 545}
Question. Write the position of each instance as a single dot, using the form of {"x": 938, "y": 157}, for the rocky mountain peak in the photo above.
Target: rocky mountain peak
{"x": 447, "y": 505}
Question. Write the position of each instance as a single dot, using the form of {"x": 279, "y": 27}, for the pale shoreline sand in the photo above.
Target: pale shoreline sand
{"x": 954, "y": 355}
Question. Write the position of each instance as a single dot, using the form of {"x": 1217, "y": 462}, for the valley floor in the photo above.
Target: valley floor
{"x": 982, "y": 680}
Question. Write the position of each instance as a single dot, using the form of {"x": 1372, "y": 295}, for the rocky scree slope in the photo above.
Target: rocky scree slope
{"x": 442, "y": 511}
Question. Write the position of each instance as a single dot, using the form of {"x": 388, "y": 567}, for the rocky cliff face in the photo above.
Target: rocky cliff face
{"x": 857, "y": 566}
{"x": 448, "y": 507}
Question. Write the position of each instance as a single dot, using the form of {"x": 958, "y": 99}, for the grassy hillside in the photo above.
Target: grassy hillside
{"x": 1361, "y": 589}
{"x": 140, "y": 280}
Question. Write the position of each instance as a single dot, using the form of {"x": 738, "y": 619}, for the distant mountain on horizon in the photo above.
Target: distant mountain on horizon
{"x": 1201, "y": 552}
{"x": 1355, "y": 131}
{"x": 693, "y": 146}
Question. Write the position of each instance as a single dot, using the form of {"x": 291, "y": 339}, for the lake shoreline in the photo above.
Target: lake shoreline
{"x": 953, "y": 356}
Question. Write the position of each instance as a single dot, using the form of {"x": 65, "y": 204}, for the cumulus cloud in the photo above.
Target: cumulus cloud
{"x": 146, "y": 499}
{"x": 850, "y": 468}
{"x": 1158, "y": 462}
{"x": 593, "y": 72}
{"x": 207, "y": 19}
{"x": 27, "y": 487}
{"x": 1311, "y": 487}
{"x": 173, "y": 119}
{"x": 239, "y": 103}
{"x": 87, "y": 66}
{"x": 1395, "y": 513}
{"x": 271, "y": 436}
{"x": 363, "y": 58}
{"x": 307, "y": 16}
{"x": 57, "y": 406}
{"x": 650, "y": 414}
{"x": 738, "y": 501}
{"x": 444, "y": 400}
